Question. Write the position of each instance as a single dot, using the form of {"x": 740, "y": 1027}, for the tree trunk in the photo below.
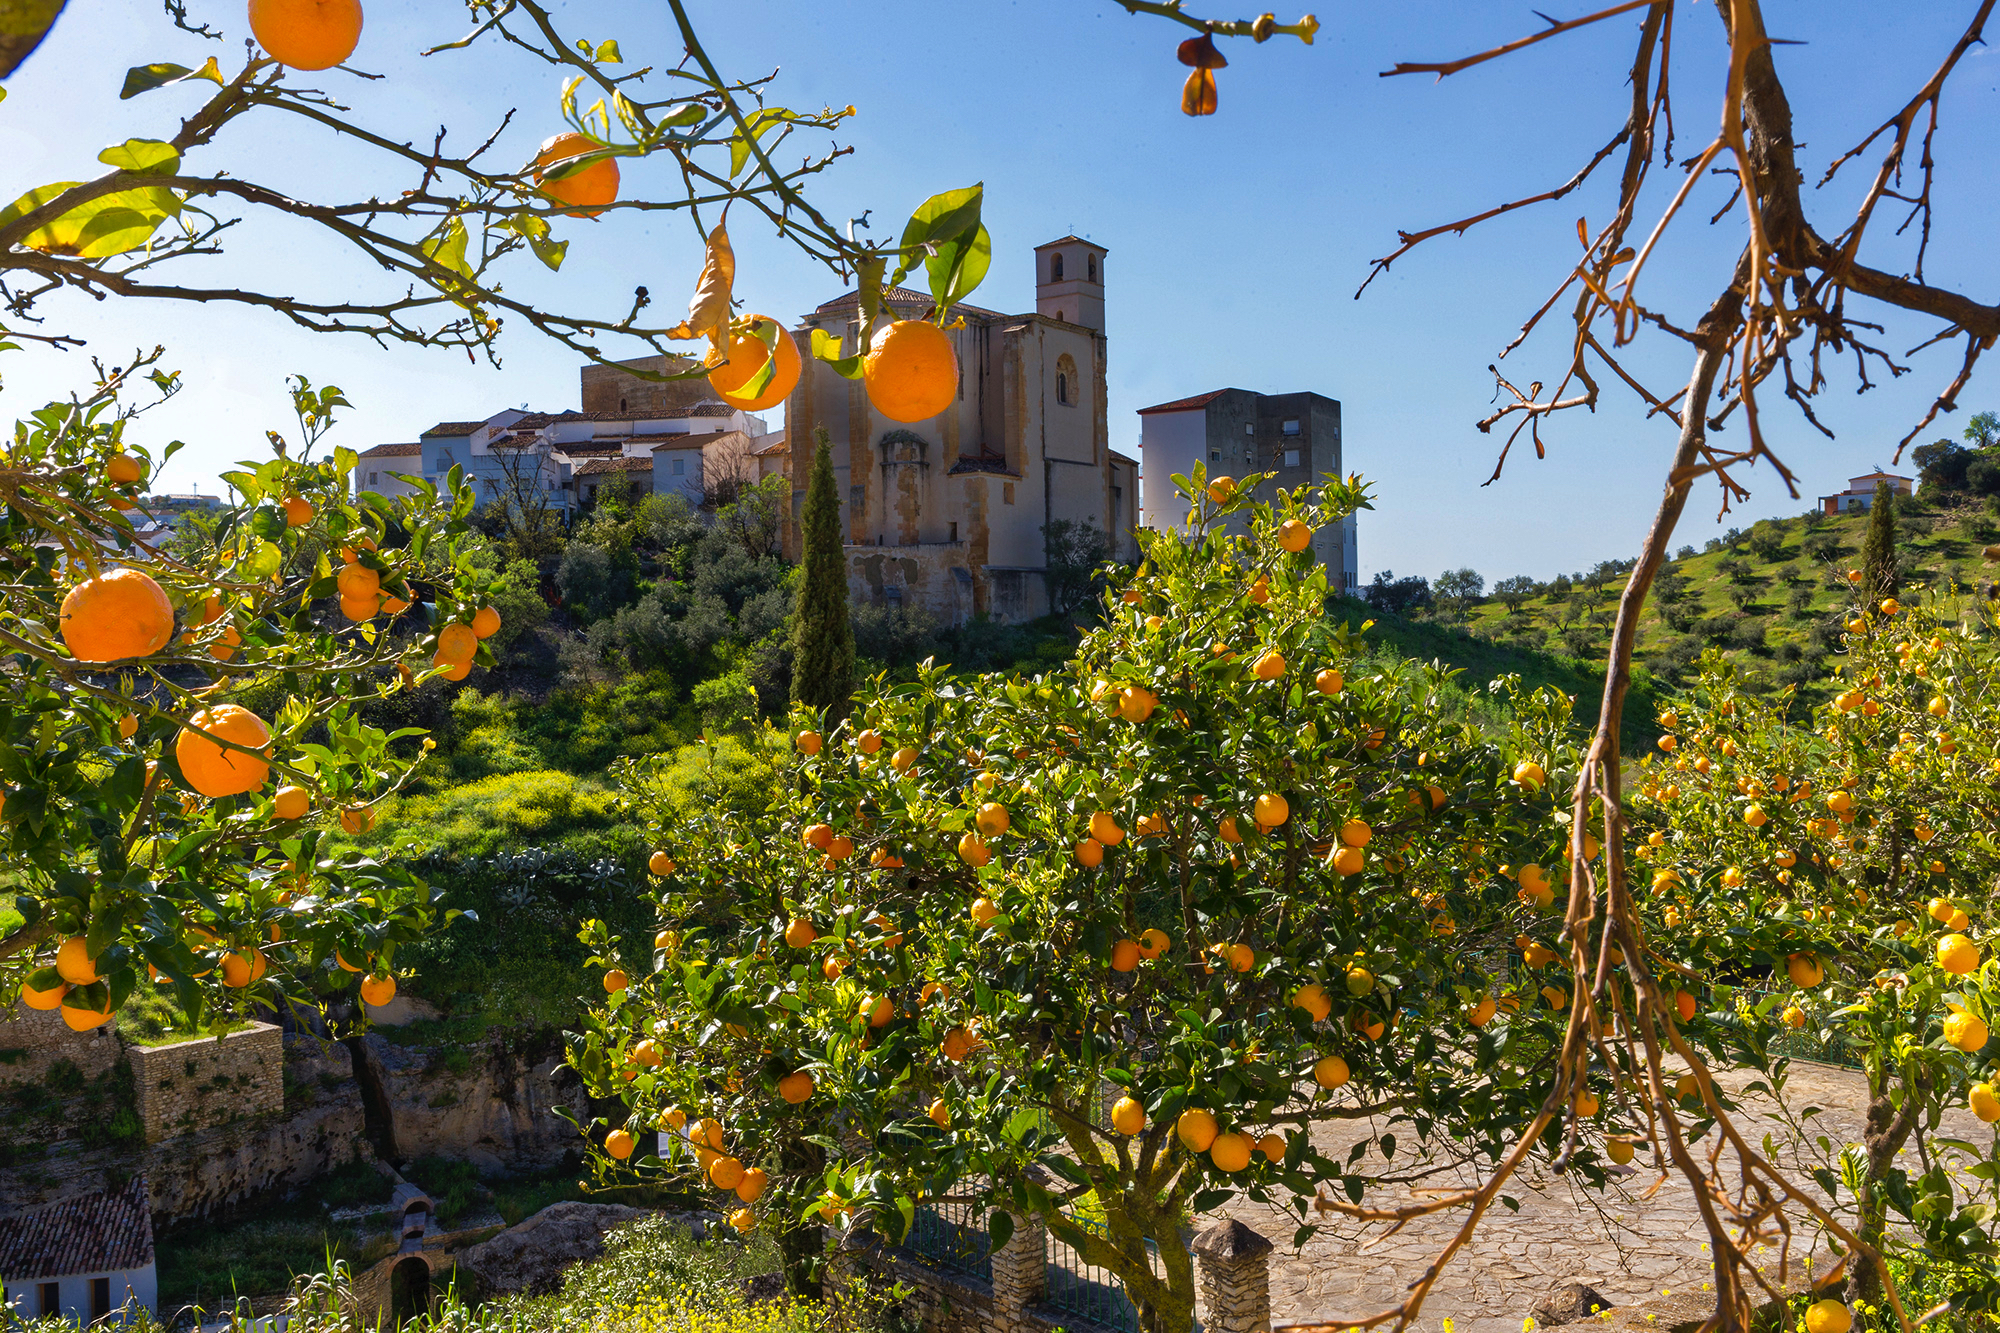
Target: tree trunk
{"x": 801, "y": 1245}
{"x": 1887, "y": 1130}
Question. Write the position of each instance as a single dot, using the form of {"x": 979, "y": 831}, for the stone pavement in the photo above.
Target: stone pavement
{"x": 1625, "y": 1244}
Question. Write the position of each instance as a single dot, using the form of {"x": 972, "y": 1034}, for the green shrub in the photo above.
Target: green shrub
{"x": 480, "y": 818}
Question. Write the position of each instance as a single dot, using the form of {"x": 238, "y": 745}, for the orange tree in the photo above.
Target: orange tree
{"x": 156, "y": 827}
{"x": 1842, "y": 871}
{"x": 1129, "y": 930}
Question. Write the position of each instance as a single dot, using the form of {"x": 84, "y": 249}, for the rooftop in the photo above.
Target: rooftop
{"x": 454, "y": 428}
{"x": 600, "y": 465}
{"x": 1065, "y": 240}
{"x": 394, "y": 451}
{"x": 700, "y": 441}
{"x": 900, "y": 296}
{"x": 1200, "y": 400}
{"x": 88, "y": 1233}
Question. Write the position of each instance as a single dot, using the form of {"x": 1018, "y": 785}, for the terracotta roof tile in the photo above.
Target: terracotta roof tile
{"x": 900, "y": 296}
{"x": 89, "y": 1233}
{"x": 601, "y": 465}
{"x": 454, "y": 428}
{"x": 703, "y": 440}
{"x": 394, "y": 451}
{"x": 1184, "y": 404}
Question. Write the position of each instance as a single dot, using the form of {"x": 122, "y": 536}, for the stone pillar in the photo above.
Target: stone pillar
{"x": 1235, "y": 1278}
{"x": 1020, "y": 1273}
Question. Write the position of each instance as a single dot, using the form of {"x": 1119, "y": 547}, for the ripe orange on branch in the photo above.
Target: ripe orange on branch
{"x": 586, "y": 189}
{"x": 746, "y": 356}
{"x": 213, "y": 770}
{"x": 307, "y": 34}
{"x": 118, "y": 614}
{"x": 911, "y": 370}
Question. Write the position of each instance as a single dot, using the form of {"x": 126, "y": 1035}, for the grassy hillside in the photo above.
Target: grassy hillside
{"x": 1771, "y": 596}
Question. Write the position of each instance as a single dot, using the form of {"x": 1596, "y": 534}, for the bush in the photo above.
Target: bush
{"x": 482, "y": 817}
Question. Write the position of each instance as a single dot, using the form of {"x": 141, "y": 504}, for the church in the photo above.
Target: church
{"x": 948, "y": 514}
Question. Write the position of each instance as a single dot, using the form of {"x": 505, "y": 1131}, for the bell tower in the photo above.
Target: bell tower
{"x": 1069, "y": 282}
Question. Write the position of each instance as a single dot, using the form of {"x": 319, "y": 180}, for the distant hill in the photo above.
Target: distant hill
{"x": 1772, "y": 596}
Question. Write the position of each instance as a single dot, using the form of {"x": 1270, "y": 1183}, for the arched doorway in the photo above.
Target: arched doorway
{"x": 409, "y": 1289}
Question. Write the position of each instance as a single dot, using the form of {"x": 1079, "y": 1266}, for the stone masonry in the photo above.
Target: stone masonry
{"x": 209, "y": 1081}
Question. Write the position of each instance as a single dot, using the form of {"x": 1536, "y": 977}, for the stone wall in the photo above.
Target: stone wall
{"x": 210, "y": 1081}
{"x": 32, "y": 1041}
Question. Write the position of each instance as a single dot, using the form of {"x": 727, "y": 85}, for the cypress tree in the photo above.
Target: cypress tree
{"x": 1878, "y": 552}
{"x": 822, "y": 637}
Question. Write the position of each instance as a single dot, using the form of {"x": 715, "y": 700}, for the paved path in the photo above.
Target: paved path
{"x": 1622, "y": 1243}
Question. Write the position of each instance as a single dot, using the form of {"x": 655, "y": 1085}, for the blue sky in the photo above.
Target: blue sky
{"x": 1236, "y": 241}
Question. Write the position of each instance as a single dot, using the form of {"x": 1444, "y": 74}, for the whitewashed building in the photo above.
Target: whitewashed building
{"x": 85, "y": 1258}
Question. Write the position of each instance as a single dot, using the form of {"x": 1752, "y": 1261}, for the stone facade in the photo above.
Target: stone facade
{"x": 34, "y": 1041}
{"x": 614, "y": 388}
{"x": 1234, "y": 1279}
{"x": 965, "y": 495}
{"x": 209, "y": 1081}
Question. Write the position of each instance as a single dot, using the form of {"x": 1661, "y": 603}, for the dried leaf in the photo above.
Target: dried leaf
{"x": 708, "y": 312}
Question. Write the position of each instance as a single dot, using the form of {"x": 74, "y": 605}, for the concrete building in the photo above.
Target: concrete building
{"x": 1860, "y": 492}
{"x": 1235, "y": 432}
{"x": 382, "y": 468}
{"x": 85, "y": 1258}
{"x": 948, "y": 514}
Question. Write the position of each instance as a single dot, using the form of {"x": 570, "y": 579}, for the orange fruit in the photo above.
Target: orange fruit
{"x": 123, "y": 470}
{"x": 378, "y": 989}
{"x": 366, "y": 606}
{"x": 910, "y": 370}
{"x": 973, "y": 850}
{"x": 79, "y": 1019}
{"x": 1272, "y": 810}
{"x": 747, "y": 355}
{"x": 1090, "y": 853}
{"x": 1241, "y": 957}
{"x": 868, "y": 742}
{"x": 818, "y": 836}
{"x": 800, "y": 933}
{"x": 983, "y": 910}
{"x": 957, "y": 1045}
{"x": 1330, "y": 1072}
{"x": 619, "y": 1144}
{"x": 452, "y": 670}
{"x": 118, "y": 614}
{"x": 796, "y": 1087}
{"x": 456, "y": 643}
{"x": 1273, "y": 1147}
{"x": 659, "y": 863}
{"x": 128, "y": 726}
{"x": 74, "y": 963}
{"x": 1227, "y": 829}
{"x": 43, "y": 999}
{"x": 1956, "y": 954}
{"x": 878, "y": 1010}
{"x": 290, "y": 803}
{"x": 751, "y": 1188}
{"x": 1196, "y": 1128}
{"x": 242, "y": 969}
{"x": 1153, "y": 943}
{"x": 1269, "y": 667}
{"x": 991, "y": 819}
{"x": 307, "y": 34}
{"x": 1125, "y": 955}
{"x": 214, "y": 771}
{"x": 298, "y": 511}
{"x": 1313, "y": 999}
{"x": 1350, "y": 860}
{"x": 1230, "y": 1152}
{"x": 1221, "y": 489}
{"x": 1294, "y": 536}
{"x": 1686, "y": 1005}
{"x": 357, "y": 820}
{"x": 1805, "y": 971}
{"x": 1105, "y": 829}
{"x": 939, "y": 1113}
{"x": 588, "y": 188}
{"x": 615, "y": 980}
{"x": 1329, "y": 681}
{"x": 1128, "y": 1117}
{"x": 485, "y": 622}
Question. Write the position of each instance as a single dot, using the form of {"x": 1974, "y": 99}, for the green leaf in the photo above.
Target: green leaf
{"x": 826, "y": 347}
{"x": 607, "y": 53}
{"x": 759, "y": 123}
{"x": 534, "y": 229}
{"x": 110, "y": 224}
{"x": 999, "y": 1228}
{"x": 143, "y": 157}
{"x": 145, "y": 78}
{"x": 957, "y": 249}
{"x": 446, "y": 248}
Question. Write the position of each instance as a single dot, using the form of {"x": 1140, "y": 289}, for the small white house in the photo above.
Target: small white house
{"x": 1860, "y": 492}
{"x": 85, "y": 1258}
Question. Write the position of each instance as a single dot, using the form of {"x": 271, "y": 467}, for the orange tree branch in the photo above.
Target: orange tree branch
{"x": 1447, "y": 67}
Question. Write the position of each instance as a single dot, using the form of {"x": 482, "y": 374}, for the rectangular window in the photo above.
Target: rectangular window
{"x": 49, "y": 1300}
{"x": 857, "y": 496}
{"x": 371, "y": 479}
{"x": 1249, "y": 428}
{"x": 680, "y": 467}
{"x": 1290, "y": 428}
{"x": 954, "y": 532}
{"x": 1215, "y": 455}
{"x": 1291, "y": 458}
{"x": 100, "y": 1297}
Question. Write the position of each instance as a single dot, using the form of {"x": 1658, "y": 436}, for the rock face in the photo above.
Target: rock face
{"x": 532, "y": 1257}
{"x": 493, "y": 1104}
{"x": 1569, "y": 1303}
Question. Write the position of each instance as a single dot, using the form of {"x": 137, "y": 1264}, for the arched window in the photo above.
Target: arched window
{"x": 1068, "y": 387}
{"x": 1062, "y": 388}
{"x": 1090, "y": 267}
{"x": 1055, "y": 268}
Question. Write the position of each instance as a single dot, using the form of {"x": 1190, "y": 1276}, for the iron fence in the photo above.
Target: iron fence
{"x": 1797, "y": 1043}
{"x": 1076, "y": 1287}
{"x": 952, "y": 1236}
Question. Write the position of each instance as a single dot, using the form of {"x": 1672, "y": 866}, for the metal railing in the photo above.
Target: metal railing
{"x": 952, "y": 1236}
{"x": 1801, "y": 1043}
{"x": 1076, "y": 1287}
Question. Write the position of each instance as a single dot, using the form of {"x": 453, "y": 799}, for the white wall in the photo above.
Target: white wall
{"x": 1169, "y": 442}
{"x": 138, "y": 1287}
